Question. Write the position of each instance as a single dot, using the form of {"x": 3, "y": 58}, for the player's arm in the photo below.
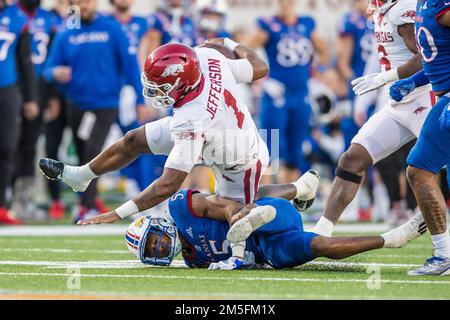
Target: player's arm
{"x": 150, "y": 41}
{"x": 25, "y": 66}
{"x": 344, "y": 51}
{"x": 321, "y": 49}
{"x": 414, "y": 64}
{"x": 247, "y": 66}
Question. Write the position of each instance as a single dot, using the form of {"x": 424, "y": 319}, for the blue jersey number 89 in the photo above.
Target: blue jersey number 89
{"x": 293, "y": 52}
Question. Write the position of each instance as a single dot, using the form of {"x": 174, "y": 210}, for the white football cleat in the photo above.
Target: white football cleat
{"x": 410, "y": 230}
{"x": 257, "y": 217}
{"x": 307, "y": 186}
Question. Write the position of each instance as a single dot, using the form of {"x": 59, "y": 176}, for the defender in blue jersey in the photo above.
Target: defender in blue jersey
{"x": 270, "y": 230}
{"x": 354, "y": 44}
{"x": 432, "y": 150}
{"x": 169, "y": 24}
{"x": 290, "y": 42}
{"x": 17, "y": 92}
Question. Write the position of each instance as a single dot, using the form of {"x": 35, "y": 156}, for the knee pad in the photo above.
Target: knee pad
{"x": 348, "y": 176}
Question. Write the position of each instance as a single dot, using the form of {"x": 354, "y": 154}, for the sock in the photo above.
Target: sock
{"x": 441, "y": 244}
{"x": 238, "y": 249}
{"x": 81, "y": 174}
{"x": 324, "y": 227}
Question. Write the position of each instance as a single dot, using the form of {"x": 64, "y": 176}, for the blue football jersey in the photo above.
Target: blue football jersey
{"x": 207, "y": 238}
{"x": 162, "y": 22}
{"x": 41, "y": 25}
{"x": 289, "y": 50}
{"x": 134, "y": 28}
{"x": 12, "y": 23}
{"x": 356, "y": 26}
{"x": 433, "y": 41}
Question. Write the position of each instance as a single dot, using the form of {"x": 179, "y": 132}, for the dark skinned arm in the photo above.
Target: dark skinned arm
{"x": 414, "y": 64}
{"x": 160, "y": 190}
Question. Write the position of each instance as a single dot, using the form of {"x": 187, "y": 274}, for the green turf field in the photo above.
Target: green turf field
{"x": 47, "y": 267}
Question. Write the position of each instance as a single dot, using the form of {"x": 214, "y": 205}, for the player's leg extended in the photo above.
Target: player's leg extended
{"x": 380, "y": 136}
{"x": 151, "y": 138}
{"x": 429, "y": 155}
{"x": 343, "y": 247}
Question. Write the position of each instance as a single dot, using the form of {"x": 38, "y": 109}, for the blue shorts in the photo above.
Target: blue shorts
{"x": 292, "y": 120}
{"x": 432, "y": 150}
{"x": 282, "y": 242}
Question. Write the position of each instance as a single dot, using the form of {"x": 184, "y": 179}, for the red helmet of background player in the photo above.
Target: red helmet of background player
{"x": 170, "y": 72}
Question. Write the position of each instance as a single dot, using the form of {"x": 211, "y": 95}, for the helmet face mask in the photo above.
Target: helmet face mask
{"x": 158, "y": 94}
{"x": 147, "y": 234}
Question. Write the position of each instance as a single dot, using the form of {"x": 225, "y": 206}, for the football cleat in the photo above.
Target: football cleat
{"x": 434, "y": 266}
{"x": 6, "y": 218}
{"x": 54, "y": 170}
{"x": 410, "y": 230}
{"x": 310, "y": 182}
{"x": 257, "y": 217}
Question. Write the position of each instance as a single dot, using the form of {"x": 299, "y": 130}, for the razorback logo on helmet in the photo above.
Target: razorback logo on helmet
{"x": 173, "y": 70}
{"x": 409, "y": 14}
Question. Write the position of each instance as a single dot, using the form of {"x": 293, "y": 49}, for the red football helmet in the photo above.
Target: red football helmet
{"x": 170, "y": 72}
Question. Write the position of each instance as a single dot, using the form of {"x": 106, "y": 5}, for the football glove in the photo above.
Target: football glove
{"x": 374, "y": 81}
{"x": 401, "y": 89}
{"x": 231, "y": 263}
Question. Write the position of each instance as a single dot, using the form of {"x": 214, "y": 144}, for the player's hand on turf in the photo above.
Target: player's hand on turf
{"x": 232, "y": 263}
{"x": 445, "y": 118}
{"x": 401, "y": 89}
{"x": 109, "y": 217}
{"x": 62, "y": 74}
{"x": 368, "y": 83}
{"x": 30, "y": 110}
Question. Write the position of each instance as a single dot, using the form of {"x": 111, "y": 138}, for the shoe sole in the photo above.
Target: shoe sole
{"x": 258, "y": 217}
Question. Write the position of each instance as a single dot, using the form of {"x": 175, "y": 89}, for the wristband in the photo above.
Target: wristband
{"x": 390, "y": 76}
{"x": 230, "y": 44}
{"x": 127, "y": 209}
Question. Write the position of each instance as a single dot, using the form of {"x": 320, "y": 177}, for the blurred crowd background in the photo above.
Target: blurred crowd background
{"x": 72, "y": 116}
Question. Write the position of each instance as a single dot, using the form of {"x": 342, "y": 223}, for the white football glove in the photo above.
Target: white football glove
{"x": 232, "y": 263}
{"x": 374, "y": 81}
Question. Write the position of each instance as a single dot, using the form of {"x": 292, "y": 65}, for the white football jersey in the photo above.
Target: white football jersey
{"x": 218, "y": 117}
{"x": 392, "y": 51}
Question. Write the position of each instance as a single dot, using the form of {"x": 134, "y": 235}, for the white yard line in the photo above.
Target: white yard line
{"x": 119, "y": 229}
{"x": 202, "y": 278}
{"x": 63, "y": 250}
{"x": 130, "y": 264}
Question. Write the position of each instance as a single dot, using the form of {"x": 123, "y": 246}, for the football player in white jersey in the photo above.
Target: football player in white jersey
{"x": 210, "y": 126}
{"x": 396, "y": 123}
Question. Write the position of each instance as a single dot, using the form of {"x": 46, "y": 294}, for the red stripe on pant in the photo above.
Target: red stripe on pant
{"x": 248, "y": 173}
{"x": 257, "y": 176}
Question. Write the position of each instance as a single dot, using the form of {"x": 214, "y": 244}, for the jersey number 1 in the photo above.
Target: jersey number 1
{"x": 232, "y": 103}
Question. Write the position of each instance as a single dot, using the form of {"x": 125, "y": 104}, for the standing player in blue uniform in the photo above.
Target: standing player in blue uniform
{"x": 144, "y": 169}
{"x": 211, "y": 21}
{"x": 353, "y": 46}
{"x": 55, "y": 121}
{"x": 41, "y": 26}
{"x": 270, "y": 230}
{"x": 90, "y": 62}
{"x": 15, "y": 64}
{"x": 170, "y": 23}
{"x": 290, "y": 42}
{"x": 432, "y": 150}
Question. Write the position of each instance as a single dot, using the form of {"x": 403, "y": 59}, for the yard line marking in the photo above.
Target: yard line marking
{"x": 129, "y": 264}
{"x": 64, "y": 250}
{"x": 151, "y": 276}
